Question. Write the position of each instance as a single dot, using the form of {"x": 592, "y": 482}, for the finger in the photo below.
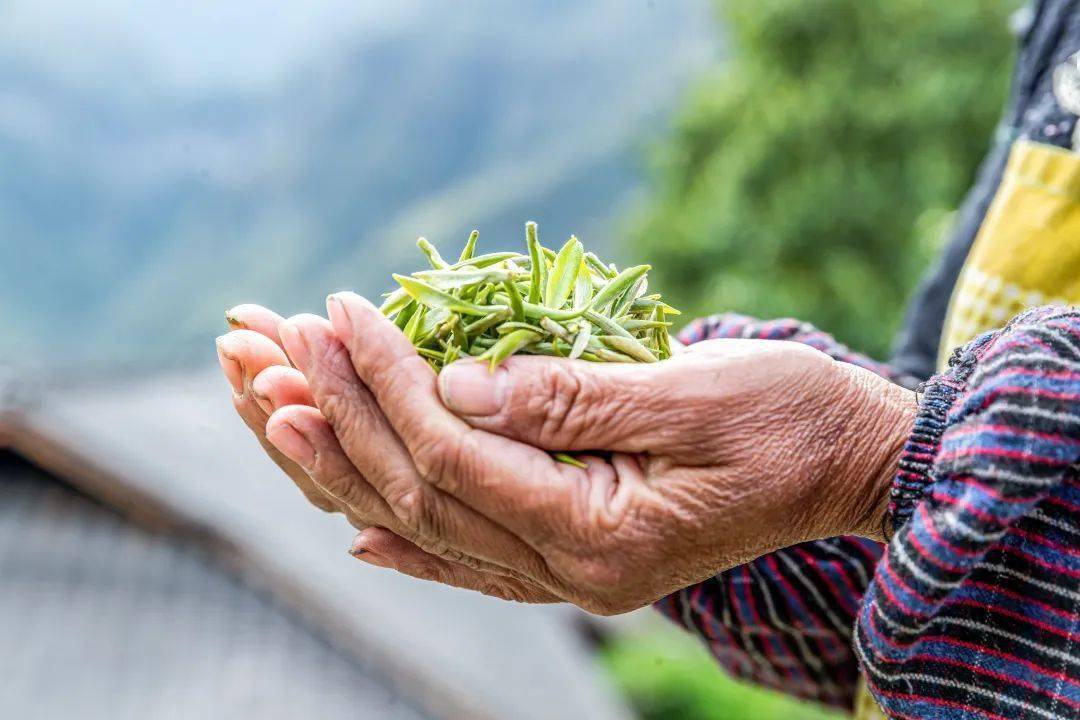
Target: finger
{"x": 551, "y": 403}
{"x": 301, "y": 433}
{"x": 520, "y": 486}
{"x": 253, "y": 351}
{"x": 384, "y": 549}
{"x": 561, "y": 404}
{"x": 244, "y": 354}
{"x": 255, "y": 318}
{"x": 278, "y": 386}
{"x": 304, "y": 435}
{"x": 375, "y": 449}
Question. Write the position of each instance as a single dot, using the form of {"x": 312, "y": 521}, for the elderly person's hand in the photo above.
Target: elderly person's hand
{"x": 263, "y": 379}
{"x": 728, "y": 451}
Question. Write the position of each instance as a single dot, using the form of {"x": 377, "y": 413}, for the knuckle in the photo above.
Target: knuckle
{"x": 502, "y": 591}
{"x": 432, "y": 454}
{"x": 441, "y": 549}
{"x": 322, "y": 502}
{"x": 349, "y": 415}
{"x": 334, "y": 484}
{"x": 415, "y": 507}
{"x": 565, "y": 404}
{"x": 442, "y": 458}
{"x": 337, "y": 408}
{"x": 596, "y": 573}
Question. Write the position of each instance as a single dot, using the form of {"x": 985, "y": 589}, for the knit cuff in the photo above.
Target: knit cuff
{"x": 936, "y": 397}
{"x": 916, "y": 461}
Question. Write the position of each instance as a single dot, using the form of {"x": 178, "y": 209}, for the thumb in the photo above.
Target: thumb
{"x": 559, "y": 404}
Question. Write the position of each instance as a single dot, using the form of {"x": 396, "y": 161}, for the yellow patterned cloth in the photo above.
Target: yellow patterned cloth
{"x": 1027, "y": 253}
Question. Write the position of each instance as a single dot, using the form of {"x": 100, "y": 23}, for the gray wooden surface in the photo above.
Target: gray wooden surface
{"x": 169, "y": 447}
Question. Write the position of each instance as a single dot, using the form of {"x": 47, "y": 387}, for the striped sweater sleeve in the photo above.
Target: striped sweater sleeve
{"x": 785, "y": 620}
{"x": 974, "y": 609}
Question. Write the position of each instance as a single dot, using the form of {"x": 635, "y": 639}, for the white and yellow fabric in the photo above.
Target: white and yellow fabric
{"x": 1027, "y": 252}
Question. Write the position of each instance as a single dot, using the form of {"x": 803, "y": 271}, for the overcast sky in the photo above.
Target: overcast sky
{"x": 189, "y": 45}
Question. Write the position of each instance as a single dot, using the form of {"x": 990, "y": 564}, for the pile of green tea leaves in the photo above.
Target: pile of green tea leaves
{"x": 565, "y": 304}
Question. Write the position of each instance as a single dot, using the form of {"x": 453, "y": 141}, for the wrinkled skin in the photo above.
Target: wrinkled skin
{"x": 727, "y": 451}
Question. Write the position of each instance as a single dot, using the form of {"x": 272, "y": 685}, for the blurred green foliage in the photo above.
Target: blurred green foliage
{"x": 811, "y": 174}
{"x": 668, "y": 675}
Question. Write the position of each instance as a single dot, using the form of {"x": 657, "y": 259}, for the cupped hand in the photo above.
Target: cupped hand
{"x": 264, "y": 382}
{"x": 728, "y": 451}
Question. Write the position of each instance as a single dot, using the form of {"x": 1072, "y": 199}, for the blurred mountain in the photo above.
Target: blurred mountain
{"x": 161, "y": 162}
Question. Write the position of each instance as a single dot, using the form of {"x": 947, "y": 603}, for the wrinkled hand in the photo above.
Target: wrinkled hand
{"x": 730, "y": 450}
{"x": 264, "y": 381}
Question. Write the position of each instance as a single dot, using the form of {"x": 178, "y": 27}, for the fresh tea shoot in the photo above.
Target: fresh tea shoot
{"x": 565, "y": 303}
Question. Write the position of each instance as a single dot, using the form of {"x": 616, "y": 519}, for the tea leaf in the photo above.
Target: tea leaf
{"x": 583, "y": 286}
{"x": 536, "y": 258}
{"x": 413, "y": 326}
{"x": 627, "y": 299}
{"x": 452, "y": 353}
{"x": 606, "y": 324}
{"x": 395, "y": 302}
{"x": 433, "y": 255}
{"x": 539, "y": 311}
{"x": 454, "y": 279}
{"x": 516, "y": 303}
{"x": 470, "y": 246}
{"x": 508, "y": 345}
{"x": 569, "y": 460}
{"x": 555, "y": 329}
{"x": 647, "y": 303}
{"x": 483, "y": 261}
{"x": 601, "y": 269}
{"x": 617, "y": 285}
{"x": 406, "y": 314}
{"x": 581, "y": 342}
{"x": 563, "y": 275}
{"x": 605, "y": 355}
{"x": 430, "y": 354}
{"x": 628, "y": 346}
{"x": 434, "y": 297}
{"x": 632, "y": 325}
{"x": 488, "y": 321}
{"x": 509, "y": 327}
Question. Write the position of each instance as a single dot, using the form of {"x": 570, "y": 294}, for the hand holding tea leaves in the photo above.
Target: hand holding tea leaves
{"x": 691, "y": 465}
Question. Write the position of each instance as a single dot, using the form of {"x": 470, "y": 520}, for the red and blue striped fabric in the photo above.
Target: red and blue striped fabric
{"x": 973, "y": 609}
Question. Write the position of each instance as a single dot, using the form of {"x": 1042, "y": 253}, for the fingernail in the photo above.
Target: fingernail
{"x": 292, "y": 443}
{"x": 263, "y": 402}
{"x": 370, "y": 557}
{"x": 233, "y": 321}
{"x": 234, "y": 372}
{"x": 259, "y": 388}
{"x": 339, "y": 318}
{"x": 295, "y": 344}
{"x": 469, "y": 388}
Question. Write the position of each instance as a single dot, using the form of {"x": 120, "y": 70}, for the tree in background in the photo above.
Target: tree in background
{"x": 811, "y": 173}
